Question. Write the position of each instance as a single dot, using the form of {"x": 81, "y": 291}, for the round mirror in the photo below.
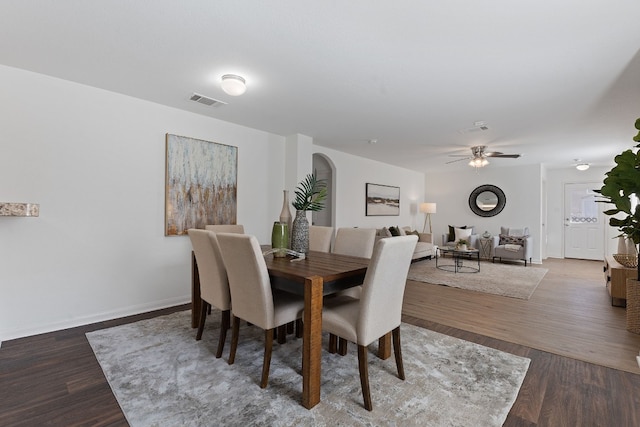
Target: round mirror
{"x": 487, "y": 200}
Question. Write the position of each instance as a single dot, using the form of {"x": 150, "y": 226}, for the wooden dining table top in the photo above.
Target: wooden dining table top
{"x": 338, "y": 271}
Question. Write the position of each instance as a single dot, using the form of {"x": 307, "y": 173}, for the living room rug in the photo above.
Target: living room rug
{"x": 162, "y": 376}
{"x": 515, "y": 281}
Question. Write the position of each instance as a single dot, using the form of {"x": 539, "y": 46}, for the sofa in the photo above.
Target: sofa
{"x": 424, "y": 247}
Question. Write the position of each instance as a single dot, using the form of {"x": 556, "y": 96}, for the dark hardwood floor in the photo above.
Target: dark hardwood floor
{"x": 54, "y": 380}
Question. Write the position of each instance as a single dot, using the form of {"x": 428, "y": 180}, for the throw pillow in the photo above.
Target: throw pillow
{"x": 386, "y": 232}
{"x": 505, "y": 239}
{"x": 402, "y": 231}
{"x": 394, "y": 231}
{"x": 417, "y": 233}
{"x": 462, "y": 233}
{"x": 452, "y": 235}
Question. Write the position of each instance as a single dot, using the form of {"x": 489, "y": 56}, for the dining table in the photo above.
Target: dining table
{"x": 315, "y": 276}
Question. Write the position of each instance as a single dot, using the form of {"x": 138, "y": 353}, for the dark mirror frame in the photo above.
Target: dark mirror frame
{"x": 473, "y": 200}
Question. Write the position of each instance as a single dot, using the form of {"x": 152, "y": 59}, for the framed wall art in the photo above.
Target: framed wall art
{"x": 200, "y": 185}
{"x": 382, "y": 200}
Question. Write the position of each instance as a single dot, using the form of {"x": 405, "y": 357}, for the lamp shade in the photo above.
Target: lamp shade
{"x": 428, "y": 208}
{"x": 233, "y": 85}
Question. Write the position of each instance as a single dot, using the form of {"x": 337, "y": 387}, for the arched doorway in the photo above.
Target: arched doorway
{"x": 324, "y": 169}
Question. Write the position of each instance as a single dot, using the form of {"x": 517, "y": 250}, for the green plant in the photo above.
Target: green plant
{"x": 463, "y": 242}
{"x": 622, "y": 183}
{"x": 310, "y": 194}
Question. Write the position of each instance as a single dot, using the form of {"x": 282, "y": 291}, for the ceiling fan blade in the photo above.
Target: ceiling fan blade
{"x": 457, "y": 160}
{"x": 459, "y": 155}
{"x": 504, "y": 156}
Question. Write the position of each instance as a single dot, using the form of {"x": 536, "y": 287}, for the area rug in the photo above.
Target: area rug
{"x": 162, "y": 376}
{"x": 515, "y": 281}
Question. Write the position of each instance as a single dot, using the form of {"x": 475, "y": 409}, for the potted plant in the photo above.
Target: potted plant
{"x": 461, "y": 245}
{"x": 622, "y": 183}
{"x": 310, "y": 196}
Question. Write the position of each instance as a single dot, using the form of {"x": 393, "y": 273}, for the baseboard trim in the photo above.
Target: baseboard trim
{"x": 7, "y": 335}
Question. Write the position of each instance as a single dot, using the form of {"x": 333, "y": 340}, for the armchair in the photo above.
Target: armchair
{"x": 513, "y": 244}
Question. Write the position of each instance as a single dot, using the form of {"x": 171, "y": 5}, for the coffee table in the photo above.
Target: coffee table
{"x": 458, "y": 258}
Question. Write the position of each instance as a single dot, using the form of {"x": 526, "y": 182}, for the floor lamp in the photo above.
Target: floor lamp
{"x": 428, "y": 209}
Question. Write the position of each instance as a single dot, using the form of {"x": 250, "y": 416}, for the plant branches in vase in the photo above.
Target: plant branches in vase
{"x": 310, "y": 196}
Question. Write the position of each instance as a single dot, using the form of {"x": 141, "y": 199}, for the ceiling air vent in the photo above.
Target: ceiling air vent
{"x": 205, "y": 100}
{"x": 480, "y": 128}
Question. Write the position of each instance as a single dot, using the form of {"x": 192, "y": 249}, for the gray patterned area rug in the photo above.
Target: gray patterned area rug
{"x": 162, "y": 376}
{"x": 515, "y": 281}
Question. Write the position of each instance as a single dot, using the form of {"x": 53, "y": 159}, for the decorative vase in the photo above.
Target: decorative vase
{"x": 300, "y": 233}
{"x": 285, "y": 214}
{"x": 622, "y": 245}
{"x": 280, "y": 238}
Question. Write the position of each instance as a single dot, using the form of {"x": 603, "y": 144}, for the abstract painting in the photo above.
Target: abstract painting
{"x": 201, "y": 184}
{"x": 382, "y": 200}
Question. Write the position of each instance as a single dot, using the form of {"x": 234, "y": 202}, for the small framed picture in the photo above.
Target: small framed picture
{"x": 382, "y": 200}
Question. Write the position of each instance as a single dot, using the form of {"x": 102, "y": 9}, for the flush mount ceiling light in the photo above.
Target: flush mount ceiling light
{"x": 582, "y": 166}
{"x": 233, "y": 85}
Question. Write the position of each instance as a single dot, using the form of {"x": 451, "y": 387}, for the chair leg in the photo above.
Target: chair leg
{"x": 364, "y": 376}
{"x": 282, "y": 334}
{"x": 290, "y": 327}
{"x": 235, "y": 329}
{"x": 268, "y": 346}
{"x": 203, "y": 317}
{"x": 333, "y": 343}
{"x": 342, "y": 346}
{"x": 224, "y": 325}
{"x": 299, "y": 328}
{"x": 397, "y": 350}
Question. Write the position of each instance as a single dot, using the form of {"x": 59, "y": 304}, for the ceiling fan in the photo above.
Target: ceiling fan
{"x": 479, "y": 156}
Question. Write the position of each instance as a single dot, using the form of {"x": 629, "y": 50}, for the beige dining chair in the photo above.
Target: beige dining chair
{"x": 214, "y": 287}
{"x": 225, "y": 228}
{"x": 252, "y": 296}
{"x": 355, "y": 241}
{"x": 320, "y": 238}
{"x": 379, "y": 309}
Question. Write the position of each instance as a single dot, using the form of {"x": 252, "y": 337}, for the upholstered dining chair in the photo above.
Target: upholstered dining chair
{"x": 320, "y": 238}
{"x": 379, "y": 309}
{"x": 225, "y": 228}
{"x": 214, "y": 287}
{"x": 253, "y": 299}
{"x": 355, "y": 241}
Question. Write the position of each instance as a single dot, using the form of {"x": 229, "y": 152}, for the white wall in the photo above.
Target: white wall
{"x": 556, "y": 180}
{"x": 522, "y": 188}
{"x": 351, "y": 176}
{"x": 95, "y": 162}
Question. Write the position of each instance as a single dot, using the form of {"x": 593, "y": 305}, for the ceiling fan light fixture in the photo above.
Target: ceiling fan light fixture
{"x": 582, "y": 166}
{"x": 479, "y": 162}
{"x": 233, "y": 85}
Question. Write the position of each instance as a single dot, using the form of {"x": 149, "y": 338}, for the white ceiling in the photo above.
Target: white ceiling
{"x": 553, "y": 80}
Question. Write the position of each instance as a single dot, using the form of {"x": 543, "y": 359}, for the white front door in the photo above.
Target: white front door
{"x": 584, "y": 222}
